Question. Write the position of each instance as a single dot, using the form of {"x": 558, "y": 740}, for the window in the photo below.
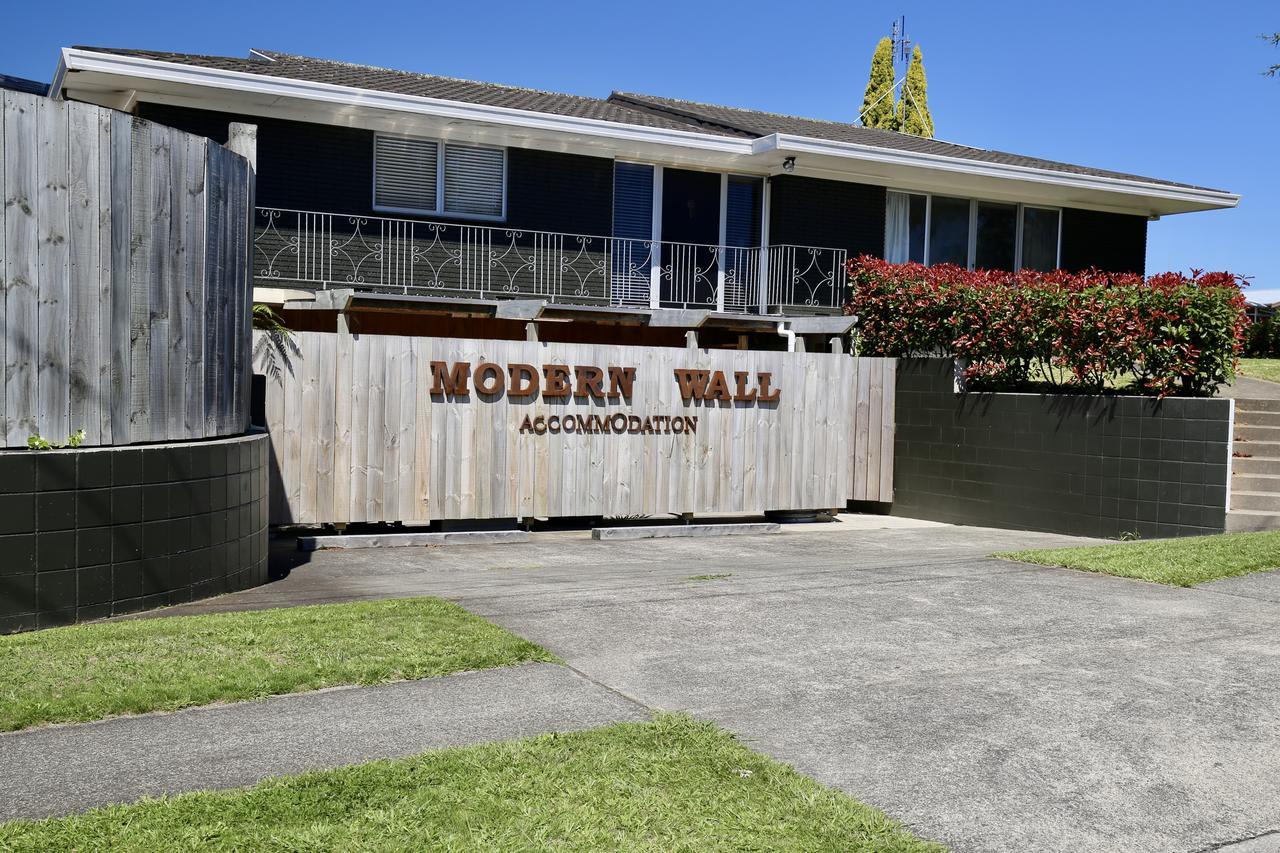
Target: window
{"x": 905, "y": 228}
{"x": 411, "y": 176}
{"x": 997, "y": 236}
{"x": 949, "y": 231}
{"x": 1040, "y": 238}
{"x": 970, "y": 233}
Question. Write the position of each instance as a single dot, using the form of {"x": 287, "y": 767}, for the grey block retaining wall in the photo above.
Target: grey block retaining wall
{"x": 1095, "y": 466}
{"x": 97, "y": 532}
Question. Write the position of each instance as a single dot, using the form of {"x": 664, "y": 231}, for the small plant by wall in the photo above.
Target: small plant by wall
{"x": 1167, "y": 334}
{"x": 39, "y": 442}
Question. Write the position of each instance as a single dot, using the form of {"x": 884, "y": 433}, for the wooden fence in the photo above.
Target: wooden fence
{"x": 357, "y": 434}
{"x": 125, "y": 260}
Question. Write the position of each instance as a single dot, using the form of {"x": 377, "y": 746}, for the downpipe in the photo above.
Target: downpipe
{"x": 785, "y": 332}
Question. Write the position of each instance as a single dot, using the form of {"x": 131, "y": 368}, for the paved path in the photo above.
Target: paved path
{"x": 990, "y": 705}
{"x": 1248, "y": 388}
{"x": 62, "y": 769}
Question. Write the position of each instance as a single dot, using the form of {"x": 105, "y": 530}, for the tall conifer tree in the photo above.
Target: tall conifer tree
{"x": 913, "y": 108}
{"x": 877, "y": 103}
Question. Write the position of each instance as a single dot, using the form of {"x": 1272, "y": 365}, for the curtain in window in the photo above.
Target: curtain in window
{"x": 897, "y": 228}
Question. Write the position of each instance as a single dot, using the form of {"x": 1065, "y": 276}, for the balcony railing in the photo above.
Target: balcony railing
{"x": 327, "y": 250}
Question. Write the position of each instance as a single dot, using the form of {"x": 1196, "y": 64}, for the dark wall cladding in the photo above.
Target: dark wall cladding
{"x": 1094, "y": 466}
{"x": 86, "y": 534}
{"x": 1115, "y": 242}
{"x": 305, "y": 166}
{"x": 835, "y": 214}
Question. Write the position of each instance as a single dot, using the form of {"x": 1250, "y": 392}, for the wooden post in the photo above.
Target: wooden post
{"x": 837, "y": 348}
{"x": 242, "y": 139}
{"x": 691, "y": 339}
{"x": 531, "y": 332}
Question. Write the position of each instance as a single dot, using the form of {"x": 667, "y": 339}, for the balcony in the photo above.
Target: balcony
{"x": 304, "y": 249}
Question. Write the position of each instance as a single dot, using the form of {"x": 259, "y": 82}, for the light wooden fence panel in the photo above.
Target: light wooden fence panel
{"x": 358, "y": 437}
{"x": 126, "y": 278}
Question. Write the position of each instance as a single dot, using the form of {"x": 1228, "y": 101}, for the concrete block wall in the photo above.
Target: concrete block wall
{"x": 1096, "y": 466}
{"x": 86, "y": 534}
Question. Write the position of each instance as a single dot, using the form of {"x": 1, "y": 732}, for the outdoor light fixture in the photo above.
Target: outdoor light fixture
{"x": 789, "y": 164}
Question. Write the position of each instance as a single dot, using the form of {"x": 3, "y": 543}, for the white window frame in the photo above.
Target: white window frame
{"x": 973, "y": 225}
{"x": 440, "y": 165}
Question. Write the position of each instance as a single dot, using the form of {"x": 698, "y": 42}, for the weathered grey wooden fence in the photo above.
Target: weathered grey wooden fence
{"x": 357, "y": 434}
{"x": 126, "y": 268}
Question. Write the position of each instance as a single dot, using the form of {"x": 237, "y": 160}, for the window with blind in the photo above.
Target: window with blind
{"x": 413, "y": 175}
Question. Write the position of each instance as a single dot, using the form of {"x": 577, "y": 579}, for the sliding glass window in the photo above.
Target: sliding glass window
{"x": 970, "y": 233}
{"x": 949, "y": 231}
{"x": 1040, "y": 230}
{"x": 997, "y": 236}
{"x": 904, "y": 231}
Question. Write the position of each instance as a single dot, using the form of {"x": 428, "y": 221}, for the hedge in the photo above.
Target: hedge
{"x": 1263, "y": 338}
{"x": 1081, "y": 332}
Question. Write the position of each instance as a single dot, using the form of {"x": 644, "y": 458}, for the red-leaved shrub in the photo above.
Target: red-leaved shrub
{"x": 1166, "y": 334}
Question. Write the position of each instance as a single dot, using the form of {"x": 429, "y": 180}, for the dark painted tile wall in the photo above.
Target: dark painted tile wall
{"x": 94, "y": 533}
{"x": 1095, "y": 466}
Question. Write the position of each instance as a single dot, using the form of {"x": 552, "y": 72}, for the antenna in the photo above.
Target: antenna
{"x": 901, "y": 44}
{"x": 901, "y": 56}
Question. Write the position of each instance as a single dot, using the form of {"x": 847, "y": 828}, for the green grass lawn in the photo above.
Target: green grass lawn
{"x": 1178, "y": 562}
{"x": 88, "y": 672}
{"x": 673, "y": 784}
{"x": 1261, "y": 368}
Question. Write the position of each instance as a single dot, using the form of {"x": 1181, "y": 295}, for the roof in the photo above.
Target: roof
{"x": 622, "y": 107}
{"x": 270, "y": 63}
{"x": 22, "y": 84}
{"x": 757, "y": 123}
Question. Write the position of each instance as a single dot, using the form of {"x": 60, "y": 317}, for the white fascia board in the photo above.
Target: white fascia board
{"x": 281, "y": 87}
{"x": 55, "y": 87}
{"x": 781, "y": 142}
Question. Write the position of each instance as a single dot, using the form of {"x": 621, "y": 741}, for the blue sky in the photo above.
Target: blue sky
{"x": 1177, "y": 95}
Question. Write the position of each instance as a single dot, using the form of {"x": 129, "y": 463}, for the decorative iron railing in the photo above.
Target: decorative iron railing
{"x": 325, "y": 250}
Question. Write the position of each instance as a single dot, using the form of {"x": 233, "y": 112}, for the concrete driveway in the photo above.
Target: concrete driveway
{"x": 989, "y": 705}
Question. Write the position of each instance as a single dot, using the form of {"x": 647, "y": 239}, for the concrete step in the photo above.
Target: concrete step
{"x": 1254, "y": 465}
{"x": 1264, "y": 501}
{"x": 1266, "y": 483}
{"x": 1247, "y": 520}
{"x": 1257, "y": 449}
{"x": 1256, "y": 405}
{"x": 1254, "y": 433}
{"x": 1248, "y": 417}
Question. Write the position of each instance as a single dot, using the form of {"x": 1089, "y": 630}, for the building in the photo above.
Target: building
{"x": 604, "y": 212}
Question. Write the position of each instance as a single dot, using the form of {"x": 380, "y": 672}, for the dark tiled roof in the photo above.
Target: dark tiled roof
{"x": 409, "y": 83}
{"x": 756, "y": 123}
{"x": 621, "y": 107}
{"x": 22, "y": 84}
